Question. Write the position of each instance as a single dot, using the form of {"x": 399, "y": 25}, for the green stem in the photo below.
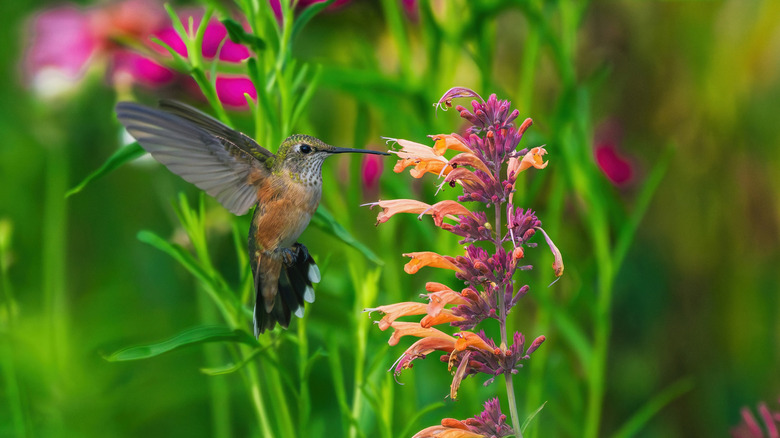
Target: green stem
{"x": 256, "y": 395}
{"x": 510, "y": 389}
{"x": 53, "y": 272}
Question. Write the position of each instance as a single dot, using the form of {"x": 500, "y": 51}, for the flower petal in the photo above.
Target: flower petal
{"x": 446, "y": 432}
{"x": 415, "y": 329}
{"x": 447, "y": 208}
{"x": 443, "y": 317}
{"x": 469, "y": 339}
{"x": 460, "y": 373}
{"x": 428, "y": 258}
{"x": 557, "y": 257}
{"x": 394, "y": 206}
{"x": 397, "y": 310}
{"x": 443, "y": 142}
{"x": 470, "y": 159}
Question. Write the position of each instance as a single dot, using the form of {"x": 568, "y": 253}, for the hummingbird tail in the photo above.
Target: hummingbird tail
{"x": 293, "y": 287}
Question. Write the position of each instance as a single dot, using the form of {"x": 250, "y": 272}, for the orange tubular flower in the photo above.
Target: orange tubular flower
{"x": 402, "y": 329}
{"x": 422, "y": 157}
{"x": 469, "y": 159}
{"x": 428, "y": 258}
{"x": 532, "y": 159}
{"x": 446, "y": 432}
{"x": 440, "y": 299}
{"x": 394, "y": 206}
{"x": 471, "y": 340}
{"x": 445, "y": 142}
{"x": 397, "y": 310}
{"x": 447, "y": 208}
{"x": 444, "y": 316}
{"x": 466, "y": 178}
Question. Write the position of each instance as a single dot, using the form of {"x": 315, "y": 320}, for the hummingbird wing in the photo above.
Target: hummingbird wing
{"x": 224, "y": 163}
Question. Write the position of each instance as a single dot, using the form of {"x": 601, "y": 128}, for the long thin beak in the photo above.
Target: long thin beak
{"x": 355, "y": 151}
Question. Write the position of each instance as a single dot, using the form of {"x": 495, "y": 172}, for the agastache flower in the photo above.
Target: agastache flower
{"x": 489, "y": 423}
{"x": 485, "y": 164}
{"x": 751, "y": 427}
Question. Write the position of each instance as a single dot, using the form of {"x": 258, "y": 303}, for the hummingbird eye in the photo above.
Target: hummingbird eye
{"x": 305, "y": 149}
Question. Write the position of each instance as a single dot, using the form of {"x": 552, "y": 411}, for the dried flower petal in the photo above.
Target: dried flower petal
{"x": 557, "y": 257}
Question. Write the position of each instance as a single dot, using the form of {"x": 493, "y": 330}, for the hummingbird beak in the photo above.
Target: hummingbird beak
{"x": 355, "y": 151}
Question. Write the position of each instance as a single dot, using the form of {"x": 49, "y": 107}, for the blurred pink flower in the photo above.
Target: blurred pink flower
{"x": 231, "y": 89}
{"x": 66, "y": 40}
{"x": 612, "y": 163}
{"x": 370, "y": 171}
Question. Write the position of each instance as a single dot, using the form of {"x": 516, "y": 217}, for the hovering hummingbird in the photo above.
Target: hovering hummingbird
{"x": 230, "y": 166}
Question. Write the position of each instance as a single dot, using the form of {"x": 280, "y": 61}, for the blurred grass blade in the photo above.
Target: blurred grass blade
{"x": 627, "y": 232}
{"x": 232, "y": 368}
{"x": 635, "y": 423}
{"x": 123, "y": 155}
{"x": 530, "y": 418}
{"x": 179, "y": 254}
{"x": 325, "y": 221}
{"x": 410, "y": 424}
{"x": 192, "y": 336}
{"x": 307, "y": 15}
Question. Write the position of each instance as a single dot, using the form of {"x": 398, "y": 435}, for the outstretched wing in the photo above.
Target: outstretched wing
{"x": 224, "y": 163}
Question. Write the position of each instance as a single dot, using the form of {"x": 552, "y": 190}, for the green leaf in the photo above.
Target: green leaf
{"x": 123, "y": 155}
{"x": 530, "y": 418}
{"x": 635, "y": 423}
{"x": 325, "y": 221}
{"x": 307, "y": 15}
{"x": 238, "y": 35}
{"x": 419, "y": 414}
{"x": 232, "y": 368}
{"x": 192, "y": 336}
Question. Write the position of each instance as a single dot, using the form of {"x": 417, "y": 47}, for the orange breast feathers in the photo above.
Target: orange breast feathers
{"x": 284, "y": 213}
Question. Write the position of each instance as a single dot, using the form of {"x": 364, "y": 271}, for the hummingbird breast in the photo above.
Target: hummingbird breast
{"x": 285, "y": 207}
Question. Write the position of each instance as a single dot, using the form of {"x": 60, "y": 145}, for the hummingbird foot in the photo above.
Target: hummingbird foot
{"x": 291, "y": 255}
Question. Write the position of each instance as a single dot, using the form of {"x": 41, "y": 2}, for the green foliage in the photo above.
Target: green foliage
{"x": 189, "y": 337}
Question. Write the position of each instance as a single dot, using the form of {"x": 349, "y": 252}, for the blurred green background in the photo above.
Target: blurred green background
{"x": 691, "y": 318}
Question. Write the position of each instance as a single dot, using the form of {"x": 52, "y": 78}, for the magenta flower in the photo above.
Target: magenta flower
{"x": 64, "y": 42}
{"x": 612, "y": 163}
{"x": 370, "y": 170}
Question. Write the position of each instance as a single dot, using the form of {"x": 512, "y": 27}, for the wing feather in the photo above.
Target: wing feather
{"x": 201, "y": 150}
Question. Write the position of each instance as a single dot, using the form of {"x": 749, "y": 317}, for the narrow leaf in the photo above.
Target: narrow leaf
{"x": 231, "y": 368}
{"x": 325, "y": 221}
{"x": 123, "y": 155}
{"x": 238, "y": 35}
{"x": 415, "y": 419}
{"x": 192, "y": 336}
{"x": 530, "y": 418}
{"x": 307, "y": 15}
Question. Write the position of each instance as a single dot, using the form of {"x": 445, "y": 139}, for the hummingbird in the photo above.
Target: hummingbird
{"x": 285, "y": 188}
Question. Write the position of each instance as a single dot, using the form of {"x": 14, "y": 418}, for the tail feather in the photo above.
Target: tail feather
{"x": 293, "y": 289}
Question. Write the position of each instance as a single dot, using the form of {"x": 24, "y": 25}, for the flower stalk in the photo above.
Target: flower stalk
{"x": 485, "y": 166}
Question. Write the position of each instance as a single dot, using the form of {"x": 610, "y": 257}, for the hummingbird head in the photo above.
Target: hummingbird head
{"x": 302, "y": 156}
